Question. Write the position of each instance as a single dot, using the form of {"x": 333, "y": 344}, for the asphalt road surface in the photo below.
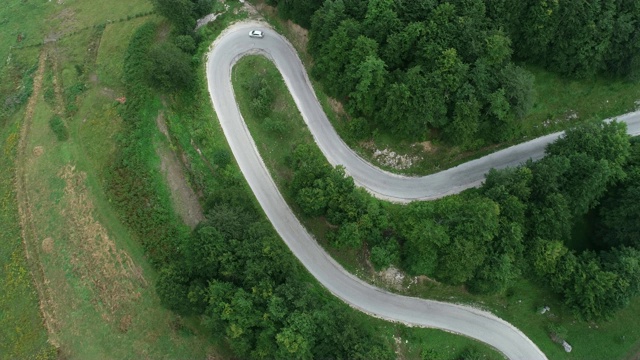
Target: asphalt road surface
{"x": 235, "y": 43}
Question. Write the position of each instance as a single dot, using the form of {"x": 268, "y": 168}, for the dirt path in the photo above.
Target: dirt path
{"x": 185, "y": 200}
{"x": 57, "y": 86}
{"x": 29, "y": 234}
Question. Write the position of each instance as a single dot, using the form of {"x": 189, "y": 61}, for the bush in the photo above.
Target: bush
{"x": 275, "y": 126}
{"x": 359, "y": 128}
{"x": 59, "y": 128}
{"x": 384, "y": 255}
{"x": 170, "y": 68}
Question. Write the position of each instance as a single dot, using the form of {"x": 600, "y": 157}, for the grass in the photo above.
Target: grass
{"x": 100, "y": 287}
{"x": 21, "y": 332}
{"x": 15, "y": 30}
{"x": 101, "y": 301}
{"x": 559, "y": 98}
{"x": 616, "y": 338}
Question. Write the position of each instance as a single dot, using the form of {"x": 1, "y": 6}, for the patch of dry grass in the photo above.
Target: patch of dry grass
{"x": 108, "y": 271}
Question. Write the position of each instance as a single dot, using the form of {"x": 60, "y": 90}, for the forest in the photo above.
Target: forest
{"x": 410, "y": 68}
{"x": 480, "y": 238}
{"x": 450, "y": 70}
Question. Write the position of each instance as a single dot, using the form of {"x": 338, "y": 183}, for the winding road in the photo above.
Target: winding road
{"x": 235, "y": 43}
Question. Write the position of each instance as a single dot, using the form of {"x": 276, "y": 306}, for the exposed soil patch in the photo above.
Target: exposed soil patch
{"x": 299, "y": 35}
{"x": 66, "y": 23}
{"x": 57, "y": 85}
{"x": 92, "y": 54}
{"x": 38, "y": 151}
{"x": 185, "y": 200}
{"x": 108, "y": 93}
{"x": 162, "y": 125}
{"x": 427, "y": 146}
{"x": 47, "y": 245}
{"x": 106, "y": 270}
{"x": 394, "y": 160}
{"x": 253, "y": 13}
{"x": 125, "y": 323}
{"x": 336, "y": 106}
{"x": 163, "y": 32}
{"x": 390, "y": 158}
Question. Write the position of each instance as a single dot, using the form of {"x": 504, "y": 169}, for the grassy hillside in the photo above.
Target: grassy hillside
{"x": 86, "y": 290}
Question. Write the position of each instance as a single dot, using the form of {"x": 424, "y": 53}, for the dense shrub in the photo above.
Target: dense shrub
{"x": 59, "y": 128}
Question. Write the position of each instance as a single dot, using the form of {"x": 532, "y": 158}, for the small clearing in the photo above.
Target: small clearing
{"x": 427, "y": 146}
{"x": 185, "y": 200}
{"x": 336, "y": 106}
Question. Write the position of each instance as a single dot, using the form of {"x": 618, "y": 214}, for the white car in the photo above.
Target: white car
{"x": 256, "y": 34}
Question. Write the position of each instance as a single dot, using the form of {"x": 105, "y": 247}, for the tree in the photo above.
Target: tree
{"x": 172, "y": 288}
{"x": 370, "y": 85}
{"x": 185, "y": 43}
{"x": 585, "y": 183}
{"x": 170, "y": 68}
{"x": 500, "y": 125}
{"x": 179, "y": 12}
{"x": 582, "y": 37}
{"x": 228, "y": 220}
{"x": 312, "y": 200}
{"x": 590, "y": 290}
{"x": 204, "y": 250}
{"x": 345, "y": 203}
{"x": 498, "y": 49}
{"x": 423, "y": 245}
{"x": 385, "y": 254}
{"x": 203, "y": 7}
{"x": 395, "y": 114}
{"x": 472, "y": 225}
{"x": 623, "y": 56}
{"x": 381, "y": 20}
{"x": 331, "y": 61}
{"x": 300, "y": 11}
{"x": 348, "y": 236}
{"x": 464, "y": 126}
{"x": 545, "y": 256}
{"x": 619, "y": 213}
{"x": 549, "y": 215}
{"x": 601, "y": 141}
{"x": 519, "y": 90}
{"x": 295, "y": 340}
{"x": 494, "y": 275}
{"x": 510, "y": 189}
{"x": 324, "y": 22}
{"x": 401, "y": 48}
{"x": 625, "y": 262}
{"x": 308, "y": 166}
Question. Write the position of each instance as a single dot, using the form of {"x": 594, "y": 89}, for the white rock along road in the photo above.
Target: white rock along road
{"x": 233, "y": 44}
